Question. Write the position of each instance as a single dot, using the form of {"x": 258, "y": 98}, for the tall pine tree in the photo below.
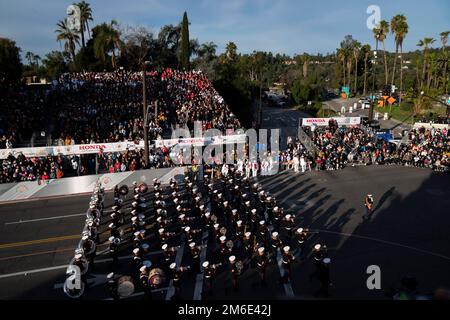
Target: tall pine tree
{"x": 185, "y": 54}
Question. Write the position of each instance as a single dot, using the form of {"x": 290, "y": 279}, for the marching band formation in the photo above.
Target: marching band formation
{"x": 224, "y": 224}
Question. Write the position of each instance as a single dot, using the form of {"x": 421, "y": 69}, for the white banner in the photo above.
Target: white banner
{"x": 202, "y": 141}
{"x": 75, "y": 149}
{"x": 341, "y": 121}
{"x": 432, "y": 125}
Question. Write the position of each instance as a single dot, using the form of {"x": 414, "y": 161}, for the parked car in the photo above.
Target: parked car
{"x": 374, "y": 124}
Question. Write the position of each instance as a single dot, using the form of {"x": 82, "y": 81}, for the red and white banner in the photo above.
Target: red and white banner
{"x": 341, "y": 121}
{"x": 75, "y": 149}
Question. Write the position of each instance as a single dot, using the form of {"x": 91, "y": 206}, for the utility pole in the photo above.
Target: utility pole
{"x": 145, "y": 114}
{"x": 373, "y": 82}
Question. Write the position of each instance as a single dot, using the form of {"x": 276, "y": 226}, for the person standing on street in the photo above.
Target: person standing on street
{"x": 368, "y": 203}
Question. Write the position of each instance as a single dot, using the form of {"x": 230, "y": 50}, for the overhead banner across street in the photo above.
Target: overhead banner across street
{"x": 341, "y": 121}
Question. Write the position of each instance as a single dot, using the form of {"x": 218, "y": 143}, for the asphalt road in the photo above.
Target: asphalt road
{"x": 408, "y": 234}
{"x": 286, "y": 120}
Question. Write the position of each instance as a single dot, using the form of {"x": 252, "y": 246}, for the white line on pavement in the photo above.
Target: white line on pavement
{"x": 141, "y": 293}
{"x": 27, "y": 272}
{"x": 287, "y": 286}
{"x": 199, "y": 282}
{"x": 48, "y": 218}
{"x": 178, "y": 258}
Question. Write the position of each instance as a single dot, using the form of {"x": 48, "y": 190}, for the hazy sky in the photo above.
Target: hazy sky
{"x": 280, "y": 26}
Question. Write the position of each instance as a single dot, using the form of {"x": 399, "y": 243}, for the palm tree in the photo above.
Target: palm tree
{"x": 356, "y": 51}
{"x": 425, "y": 43}
{"x": 107, "y": 40}
{"x": 444, "y": 39}
{"x": 70, "y": 38}
{"x": 380, "y": 32}
{"x": 366, "y": 50}
{"x": 30, "y": 57}
{"x": 341, "y": 57}
{"x": 399, "y": 27}
{"x": 85, "y": 17}
{"x": 208, "y": 50}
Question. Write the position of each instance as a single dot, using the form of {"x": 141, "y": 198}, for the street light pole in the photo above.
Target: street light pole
{"x": 145, "y": 114}
{"x": 373, "y": 82}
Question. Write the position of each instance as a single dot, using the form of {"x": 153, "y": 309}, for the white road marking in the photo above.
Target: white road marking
{"x": 27, "y": 272}
{"x": 287, "y": 286}
{"x": 178, "y": 258}
{"x": 199, "y": 282}
{"x": 48, "y": 218}
{"x": 141, "y": 293}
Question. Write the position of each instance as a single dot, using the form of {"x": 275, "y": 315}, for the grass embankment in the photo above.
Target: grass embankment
{"x": 404, "y": 112}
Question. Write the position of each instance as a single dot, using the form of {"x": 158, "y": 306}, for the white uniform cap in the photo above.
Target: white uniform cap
{"x": 262, "y": 222}
{"x": 369, "y": 195}
{"x": 134, "y": 219}
{"x": 190, "y": 184}
{"x": 234, "y": 211}
{"x": 255, "y": 185}
{"x": 136, "y": 196}
{"x": 175, "y": 200}
{"x": 154, "y": 180}
{"x": 236, "y": 187}
{"x": 225, "y": 203}
{"x": 84, "y": 238}
{"x": 136, "y": 250}
{"x": 174, "y": 193}
{"x": 269, "y": 198}
{"x": 205, "y": 264}
{"x": 147, "y": 263}
{"x": 253, "y": 210}
{"x": 111, "y": 239}
{"x": 197, "y": 198}
{"x": 239, "y": 222}
{"x": 216, "y": 226}
{"x": 110, "y": 275}
{"x": 248, "y": 234}
{"x": 78, "y": 256}
{"x": 181, "y": 216}
{"x": 219, "y": 195}
{"x": 223, "y": 238}
{"x": 261, "y": 249}
{"x": 164, "y": 247}
{"x": 134, "y": 203}
{"x": 187, "y": 229}
{"x": 275, "y": 234}
{"x": 286, "y": 249}
{"x": 161, "y": 230}
{"x": 327, "y": 260}
{"x": 111, "y": 225}
{"x": 137, "y": 233}
{"x": 275, "y": 208}
{"x": 192, "y": 244}
{"x": 232, "y": 258}
{"x": 207, "y": 214}
{"x": 288, "y": 216}
{"x": 158, "y": 210}
{"x": 317, "y": 247}
{"x": 247, "y": 203}
{"x": 300, "y": 230}
{"x": 143, "y": 269}
{"x": 215, "y": 191}
{"x": 202, "y": 207}
{"x": 210, "y": 185}
{"x": 114, "y": 208}
{"x": 173, "y": 265}
{"x": 178, "y": 207}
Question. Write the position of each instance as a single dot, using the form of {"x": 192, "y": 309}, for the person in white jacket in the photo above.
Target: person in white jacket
{"x": 303, "y": 164}
{"x": 296, "y": 163}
